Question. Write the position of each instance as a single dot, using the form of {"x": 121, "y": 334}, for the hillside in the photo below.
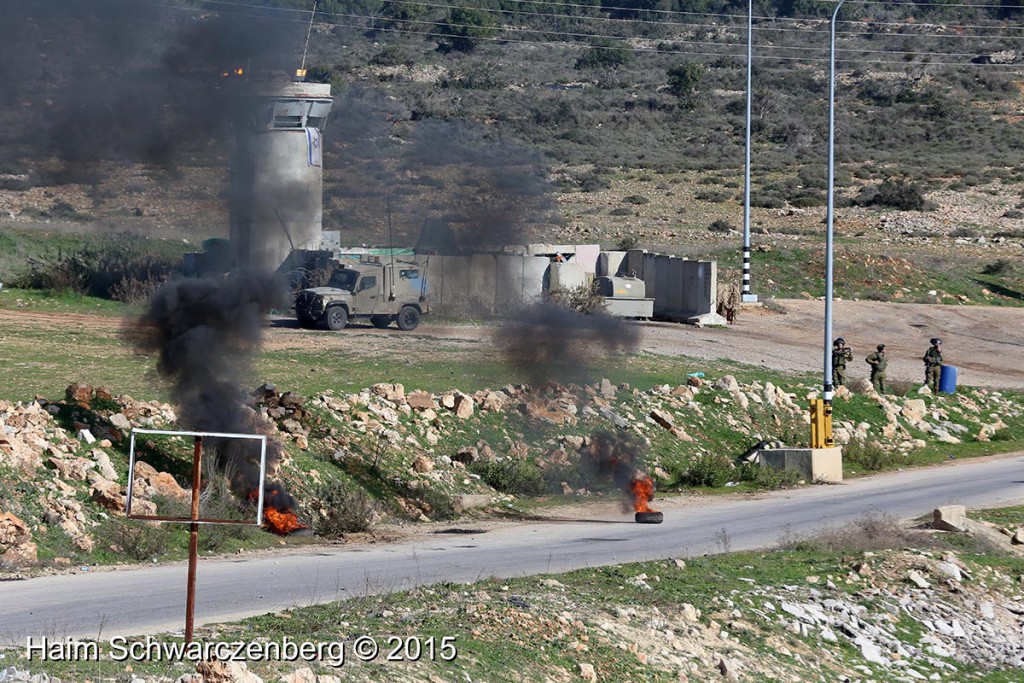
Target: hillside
{"x": 566, "y": 127}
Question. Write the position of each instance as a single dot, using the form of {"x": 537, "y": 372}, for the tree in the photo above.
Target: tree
{"x": 464, "y": 27}
{"x": 605, "y": 54}
{"x": 684, "y": 80}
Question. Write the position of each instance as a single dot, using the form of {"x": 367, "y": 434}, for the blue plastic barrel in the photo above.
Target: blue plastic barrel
{"x": 947, "y": 380}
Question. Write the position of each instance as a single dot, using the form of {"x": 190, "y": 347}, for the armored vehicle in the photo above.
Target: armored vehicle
{"x": 383, "y": 292}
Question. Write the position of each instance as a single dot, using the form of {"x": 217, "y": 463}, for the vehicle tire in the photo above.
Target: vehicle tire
{"x": 649, "y": 518}
{"x": 408, "y": 318}
{"x": 336, "y": 318}
{"x": 381, "y": 321}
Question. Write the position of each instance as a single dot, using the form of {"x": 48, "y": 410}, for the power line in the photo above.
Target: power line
{"x": 638, "y": 49}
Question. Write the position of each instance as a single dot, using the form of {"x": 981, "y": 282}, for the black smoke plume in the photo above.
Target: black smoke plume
{"x": 551, "y": 343}
{"x": 132, "y": 80}
{"x": 205, "y": 331}
{"x": 618, "y": 456}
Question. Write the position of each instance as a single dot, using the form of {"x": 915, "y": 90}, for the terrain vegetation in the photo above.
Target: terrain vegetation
{"x": 557, "y": 123}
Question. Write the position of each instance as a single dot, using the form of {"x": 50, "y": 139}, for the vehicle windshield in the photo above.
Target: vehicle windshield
{"x": 344, "y": 279}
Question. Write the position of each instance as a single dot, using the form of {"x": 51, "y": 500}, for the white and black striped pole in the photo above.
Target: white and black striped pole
{"x": 830, "y": 204}
{"x": 746, "y": 295}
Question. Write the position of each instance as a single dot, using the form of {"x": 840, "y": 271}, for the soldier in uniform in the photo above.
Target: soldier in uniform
{"x": 933, "y": 366}
{"x": 840, "y": 354}
{"x": 877, "y": 361}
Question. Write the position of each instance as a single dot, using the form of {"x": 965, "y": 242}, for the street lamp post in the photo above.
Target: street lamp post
{"x": 746, "y": 295}
{"x": 830, "y": 204}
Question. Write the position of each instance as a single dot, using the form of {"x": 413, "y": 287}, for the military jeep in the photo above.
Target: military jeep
{"x": 383, "y": 292}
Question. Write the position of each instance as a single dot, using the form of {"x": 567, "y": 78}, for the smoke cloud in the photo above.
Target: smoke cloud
{"x": 549, "y": 342}
{"x": 132, "y": 80}
{"x": 205, "y": 332}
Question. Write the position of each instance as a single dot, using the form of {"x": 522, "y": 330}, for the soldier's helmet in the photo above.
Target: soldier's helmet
{"x": 881, "y": 347}
{"x": 838, "y": 341}
{"x": 936, "y": 340}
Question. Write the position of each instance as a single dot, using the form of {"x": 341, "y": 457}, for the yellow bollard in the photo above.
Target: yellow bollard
{"x": 821, "y": 424}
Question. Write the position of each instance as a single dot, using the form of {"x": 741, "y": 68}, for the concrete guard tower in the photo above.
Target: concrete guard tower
{"x": 276, "y": 196}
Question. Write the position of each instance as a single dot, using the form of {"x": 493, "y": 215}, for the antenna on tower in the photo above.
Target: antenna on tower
{"x": 301, "y": 71}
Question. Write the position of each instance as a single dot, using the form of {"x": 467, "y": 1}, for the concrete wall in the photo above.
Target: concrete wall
{"x": 609, "y": 263}
{"x": 634, "y": 263}
{"x": 483, "y": 280}
{"x": 485, "y": 283}
{"x": 683, "y": 290}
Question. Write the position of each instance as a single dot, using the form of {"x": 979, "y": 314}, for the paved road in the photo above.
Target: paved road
{"x": 151, "y": 599}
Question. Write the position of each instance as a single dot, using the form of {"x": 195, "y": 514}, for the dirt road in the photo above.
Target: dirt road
{"x": 985, "y": 343}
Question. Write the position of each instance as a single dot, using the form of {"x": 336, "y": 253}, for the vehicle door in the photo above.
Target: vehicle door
{"x": 366, "y": 297}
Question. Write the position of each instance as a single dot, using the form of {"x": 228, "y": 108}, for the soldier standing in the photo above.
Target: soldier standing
{"x": 840, "y": 354}
{"x": 877, "y": 361}
{"x": 933, "y": 365}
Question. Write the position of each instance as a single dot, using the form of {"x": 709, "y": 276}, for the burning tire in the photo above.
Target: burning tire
{"x": 649, "y": 518}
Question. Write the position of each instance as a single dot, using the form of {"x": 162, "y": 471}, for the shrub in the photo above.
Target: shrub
{"x": 1001, "y": 267}
{"x": 621, "y": 211}
{"x": 895, "y": 193}
{"x": 627, "y": 242}
{"x": 464, "y": 27}
{"x": 770, "y": 478}
{"x": 963, "y": 232}
{"x": 1013, "y": 213}
{"x": 511, "y": 475}
{"x": 712, "y": 471}
{"x": 140, "y": 541}
{"x": 868, "y": 455}
{"x": 636, "y": 199}
{"x": 342, "y": 510}
{"x": 684, "y": 80}
{"x": 722, "y": 225}
{"x": 604, "y": 54}
{"x": 118, "y": 267}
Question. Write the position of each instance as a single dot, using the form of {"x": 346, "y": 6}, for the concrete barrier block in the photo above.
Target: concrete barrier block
{"x": 824, "y": 465}
{"x": 609, "y": 263}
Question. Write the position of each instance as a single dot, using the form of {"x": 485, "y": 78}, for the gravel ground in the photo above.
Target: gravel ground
{"x": 985, "y": 343}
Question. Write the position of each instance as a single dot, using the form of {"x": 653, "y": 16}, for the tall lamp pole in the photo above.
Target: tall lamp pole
{"x": 830, "y": 205}
{"x": 746, "y": 295}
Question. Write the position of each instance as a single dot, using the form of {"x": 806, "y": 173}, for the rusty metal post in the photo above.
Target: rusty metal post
{"x": 193, "y": 539}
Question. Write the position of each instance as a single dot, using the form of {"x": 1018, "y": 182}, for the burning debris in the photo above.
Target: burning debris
{"x": 205, "y": 331}
{"x": 279, "y": 510}
{"x": 620, "y": 456}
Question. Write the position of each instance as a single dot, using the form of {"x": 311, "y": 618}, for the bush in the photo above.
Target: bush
{"x": 627, "y": 242}
{"x": 1001, "y": 267}
{"x": 721, "y": 226}
{"x": 139, "y": 541}
{"x": 868, "y": 455}
{"x": 582, "y": 299}
{"x": 963, "y": 232}
{"x": 636, "y": 199}
{"x": 605, "y": 54}
{"x": 342, "y": 510}
{"x": 712, "y": 471}
{"x": 770, "y": 478}
{"x": 895, "y": 193}
{"x": 511, "y": 475}
{"x": 122, "y": 266}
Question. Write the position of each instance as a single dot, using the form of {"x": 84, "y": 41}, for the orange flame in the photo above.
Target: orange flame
{"x": 282, "y": 522}
{"x": 642, "y": 488}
